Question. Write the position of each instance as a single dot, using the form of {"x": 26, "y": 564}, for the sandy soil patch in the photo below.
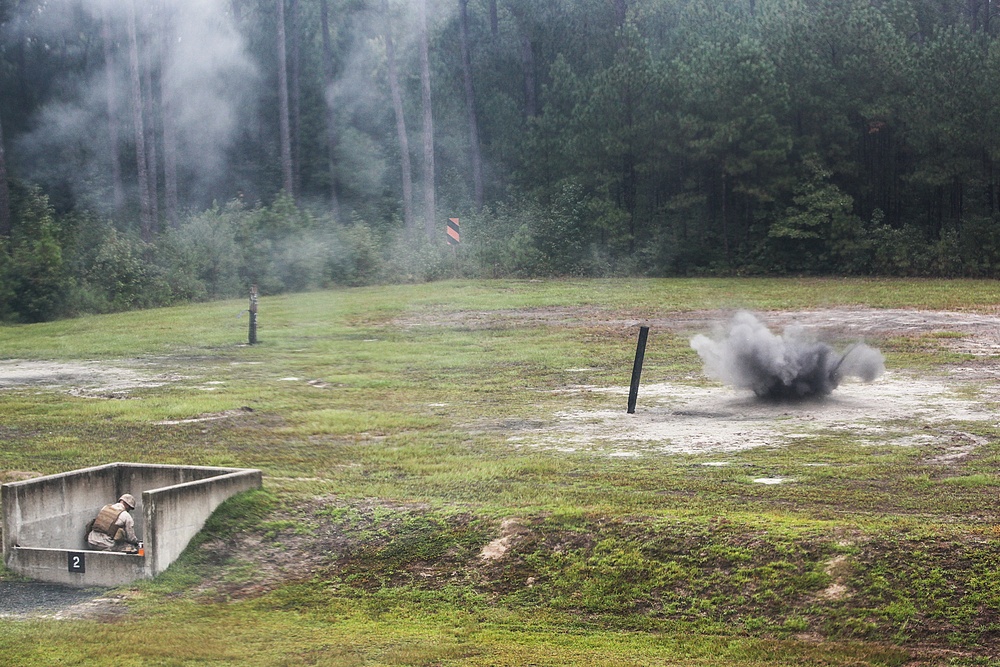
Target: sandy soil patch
{"x": 83, "y": 378}
{"x": 673, "y": 418}
{"x": 511, "y": 530}
{"x": 838, "y": 568}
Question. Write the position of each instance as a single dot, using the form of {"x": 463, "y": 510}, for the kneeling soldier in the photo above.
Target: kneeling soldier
{"x": 114, "y": 527}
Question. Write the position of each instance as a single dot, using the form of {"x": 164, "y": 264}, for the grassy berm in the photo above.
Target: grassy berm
{"x": 442, "y": 487}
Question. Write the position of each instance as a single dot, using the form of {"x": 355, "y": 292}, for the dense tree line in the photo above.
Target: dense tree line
{"x": 173, "y": 149}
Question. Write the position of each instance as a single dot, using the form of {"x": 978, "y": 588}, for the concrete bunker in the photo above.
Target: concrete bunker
{"x": 44, "y": 519}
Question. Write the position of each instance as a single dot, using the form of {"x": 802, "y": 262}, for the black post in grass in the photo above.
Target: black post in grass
{"x": 640, "y": 353}
{"x": 252, "y": 336}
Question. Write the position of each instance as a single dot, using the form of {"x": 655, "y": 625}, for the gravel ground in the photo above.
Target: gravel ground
{"x": 37, "y": 599}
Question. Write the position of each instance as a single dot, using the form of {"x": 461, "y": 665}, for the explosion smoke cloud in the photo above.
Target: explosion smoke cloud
{"x": 746, "y": 355}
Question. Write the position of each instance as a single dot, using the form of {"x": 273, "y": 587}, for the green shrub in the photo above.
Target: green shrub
{"x": 202, "y": 257}
{"x": 125, "y": 276}
{"x": 979, "y": 246}
{"x": 359, "y": 260}
{"x": 500, "y": 242}
{"x": 36, "y": 278}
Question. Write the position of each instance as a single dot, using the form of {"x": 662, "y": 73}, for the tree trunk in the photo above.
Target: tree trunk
{"x": 725, "y": 218}
{"x": 621, "y": 9}
{"x": 425, "y": 100}
{"x": 171, "y": 198}
{"x": 331, "y": 117}
{"x": 295, "y": 68}
{"x": 527, "y": 66}
{"x": 5, "y": 220}
{"x": 991, "y": 189}
{"x": 470, "y": 103}
{"x": 146, "y": 218}
{"x": 149, "y": 112}
{"x": 974, "y": 11}
{"x": 117, "y": 189}
{"x": 170, "y": 192}
{"x": 285, "y": 138}
{"x": 630, "y": 191}
{"x": 404, "y": 142}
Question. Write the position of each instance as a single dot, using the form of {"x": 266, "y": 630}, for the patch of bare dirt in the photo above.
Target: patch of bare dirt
{"x": 90, "y": 379}
{"x": 674, "y": 418}
{"x": 686, "y": 416}
{"x": 511, "y": 530}
{"x": 837, "y": 568}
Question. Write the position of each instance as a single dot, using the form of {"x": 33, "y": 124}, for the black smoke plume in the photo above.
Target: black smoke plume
{"x": 746, "y": 355}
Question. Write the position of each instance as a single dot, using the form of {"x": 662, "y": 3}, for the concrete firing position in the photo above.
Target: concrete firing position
{"x": 45, "y": 519}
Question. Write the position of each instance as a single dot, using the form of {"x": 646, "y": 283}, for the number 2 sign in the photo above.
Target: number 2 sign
{"x": 77, "y": 562}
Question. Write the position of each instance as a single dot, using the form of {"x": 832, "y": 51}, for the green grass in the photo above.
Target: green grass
{"x": 274, "y": 631}
{"x": 383, "y": 421}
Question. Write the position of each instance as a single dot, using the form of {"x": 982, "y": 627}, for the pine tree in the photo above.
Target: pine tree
{"x": 136, "y": 98}
{"x": 475, "y": 156}
{"x": 284, "y": 137}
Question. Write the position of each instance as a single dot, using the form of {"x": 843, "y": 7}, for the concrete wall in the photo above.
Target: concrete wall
{"x": 44, "y": 519}
{"x": 176, "y": 513}
{"x": 101, "y": 568}
{"x": 51, "y": 512}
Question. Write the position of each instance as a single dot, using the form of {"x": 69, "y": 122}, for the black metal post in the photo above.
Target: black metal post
{"x": 252, "y": 336}
{"x": 640, "y": 353}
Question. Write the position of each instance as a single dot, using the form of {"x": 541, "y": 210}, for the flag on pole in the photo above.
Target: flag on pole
{"x": 452, "y": 229}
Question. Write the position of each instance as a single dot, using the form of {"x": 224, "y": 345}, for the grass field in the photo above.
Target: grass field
{"x": 447, "y": 481}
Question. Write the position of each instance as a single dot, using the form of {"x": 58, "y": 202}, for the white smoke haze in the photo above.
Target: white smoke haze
{"x": 209, "y": 84}
{"x": 215, "y": 86}
{"x": 745, "y": 354}
{"x": 209, "y": 79}
{"x": 361, "y": 72}
{"x": 359, "y": 89}
{"x": 359, "y": 106}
